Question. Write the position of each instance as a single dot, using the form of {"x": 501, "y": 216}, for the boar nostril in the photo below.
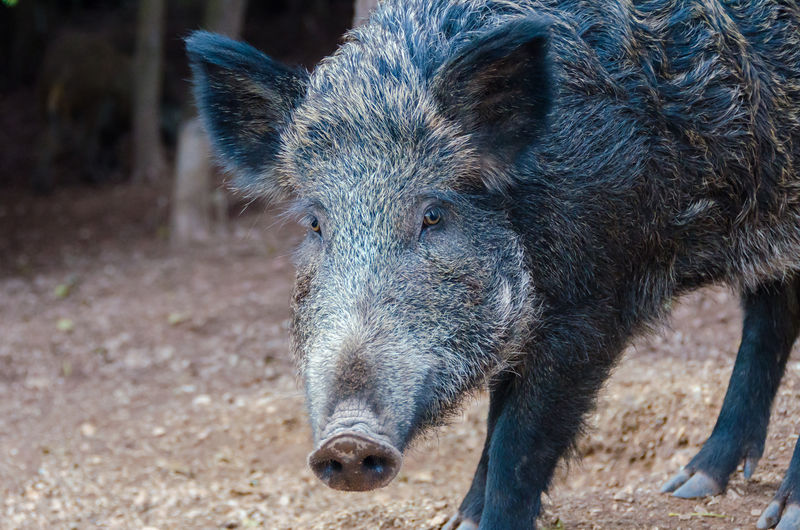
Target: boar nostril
{"x": 355, "y": 462}
{"x": 330, "y": 468}
{"x": 374, "y": 463}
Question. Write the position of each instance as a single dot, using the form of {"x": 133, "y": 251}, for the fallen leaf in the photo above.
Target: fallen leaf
{"x": 685, "y": 516}
{"x": 62, "y": 290}
{"x": 65, "y": 324}
{"x": 177, "y": 318}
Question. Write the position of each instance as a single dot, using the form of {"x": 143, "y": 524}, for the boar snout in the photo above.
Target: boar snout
{"x": 353, "y": 461}
{"x": 355, "y": 453}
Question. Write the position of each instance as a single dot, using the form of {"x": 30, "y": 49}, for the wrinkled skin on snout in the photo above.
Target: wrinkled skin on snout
{"x": 412, "y": 287}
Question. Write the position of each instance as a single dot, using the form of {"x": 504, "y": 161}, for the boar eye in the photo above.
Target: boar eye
{"x": 315, "y": 224}
{"x": 432, "y": 216}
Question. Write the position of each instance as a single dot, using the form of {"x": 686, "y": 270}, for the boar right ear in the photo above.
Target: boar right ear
{"x": 245, "y": 99}
{"x": 498, "y": 88}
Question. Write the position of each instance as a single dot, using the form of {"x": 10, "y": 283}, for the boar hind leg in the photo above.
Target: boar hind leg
{"x": 771, "y": 318}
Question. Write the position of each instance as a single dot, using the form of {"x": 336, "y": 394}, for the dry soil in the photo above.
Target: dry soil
{"x": 146, "y": 388}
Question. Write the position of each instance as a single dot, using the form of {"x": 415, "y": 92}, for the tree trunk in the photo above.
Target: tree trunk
{"x": 191, "y": 199}
{"x": 361, "y": 11}
{"x": 148, "y": 153}
{"x": 192, "y": 203}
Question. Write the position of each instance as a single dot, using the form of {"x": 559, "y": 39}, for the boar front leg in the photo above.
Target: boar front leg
{"x": 469, "y": 513}
{"x": 534, "y": 419}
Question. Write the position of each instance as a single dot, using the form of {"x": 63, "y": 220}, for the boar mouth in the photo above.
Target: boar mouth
{"x": 355, "y": 461}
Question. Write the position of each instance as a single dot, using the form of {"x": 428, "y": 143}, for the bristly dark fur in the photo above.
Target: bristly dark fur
{"x": 497, "y": 88}
{"x": 590, "y": 162}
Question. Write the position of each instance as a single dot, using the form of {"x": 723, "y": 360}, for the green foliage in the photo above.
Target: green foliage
{"x": 10, "y": 3}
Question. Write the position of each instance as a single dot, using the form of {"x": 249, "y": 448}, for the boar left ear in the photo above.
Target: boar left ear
{"x": 498, "y": 88}
{"x": 245, "y": 99}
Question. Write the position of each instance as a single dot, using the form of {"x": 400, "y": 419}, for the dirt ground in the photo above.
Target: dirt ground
{"x": 144, "y": 388}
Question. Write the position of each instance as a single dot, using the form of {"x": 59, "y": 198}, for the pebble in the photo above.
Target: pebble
{"x": 202, "y": 400}
{"x": 88, "y": 430}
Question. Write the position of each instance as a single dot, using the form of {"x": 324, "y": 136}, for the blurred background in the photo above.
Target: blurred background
{"x": 94, "y": 95}
{"x": 145, "y": 375}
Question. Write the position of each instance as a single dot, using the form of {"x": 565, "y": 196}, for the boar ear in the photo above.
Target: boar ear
{"x": 498, "y": 88}
{"x": 245, "y": 99}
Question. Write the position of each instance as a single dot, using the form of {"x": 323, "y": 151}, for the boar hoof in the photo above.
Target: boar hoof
{"x": 690, "y": 486}
{"x": 351, "y": 461}
{"x": 788, "y": 520}
{"x": 457, "y": 523}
